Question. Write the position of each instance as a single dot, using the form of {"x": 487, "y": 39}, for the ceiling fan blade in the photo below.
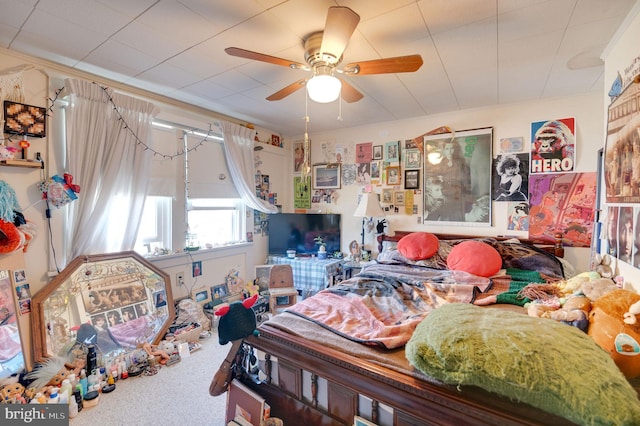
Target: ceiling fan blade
{"x": 248, "y": 54}
{"x": 340, "y": 25}
{"x": 408, "y": 63}
{"x": 349, "y": 93}
{"x": 283, "y": 93}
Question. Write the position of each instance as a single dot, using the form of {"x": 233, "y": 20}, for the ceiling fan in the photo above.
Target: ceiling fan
{"x": 323, "y": 54}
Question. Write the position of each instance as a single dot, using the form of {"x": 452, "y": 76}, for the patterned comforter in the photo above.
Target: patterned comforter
{"x": 385, "y": 302}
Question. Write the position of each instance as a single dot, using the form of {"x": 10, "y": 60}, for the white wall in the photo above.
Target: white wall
{"x": 507, "y": 121}
{"x": 622, "y": 53}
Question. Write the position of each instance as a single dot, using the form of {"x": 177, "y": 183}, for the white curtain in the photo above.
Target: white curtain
{"x": 238, "y": 147}
{"x": 109, "y": 163}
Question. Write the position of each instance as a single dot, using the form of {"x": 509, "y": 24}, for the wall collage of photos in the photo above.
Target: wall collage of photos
{"x": 620, "y": 223}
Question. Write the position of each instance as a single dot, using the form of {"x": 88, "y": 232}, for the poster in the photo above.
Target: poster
{"x": 562, "y": 203}
{"x": 553, "y": 145}
{"x": 302, "y": 192}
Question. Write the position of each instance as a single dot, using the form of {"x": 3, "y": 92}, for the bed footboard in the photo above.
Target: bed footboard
{"x": 307, "y": 383}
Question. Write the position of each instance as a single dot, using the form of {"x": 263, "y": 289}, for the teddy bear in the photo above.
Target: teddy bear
{"x": 614, "y": 326}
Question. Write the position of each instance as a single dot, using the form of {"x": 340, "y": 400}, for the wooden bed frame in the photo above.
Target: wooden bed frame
{"x": 310, "y": 384}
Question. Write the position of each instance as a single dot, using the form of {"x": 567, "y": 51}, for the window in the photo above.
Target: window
{"x": 155, "y": 226}
{"x": 216, "y": 221}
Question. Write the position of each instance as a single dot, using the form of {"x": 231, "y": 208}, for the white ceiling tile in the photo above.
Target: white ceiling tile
{"x": 475, "y": 52}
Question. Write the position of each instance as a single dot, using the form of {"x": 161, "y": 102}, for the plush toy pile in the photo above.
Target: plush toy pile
{"x": 596, "y": 305}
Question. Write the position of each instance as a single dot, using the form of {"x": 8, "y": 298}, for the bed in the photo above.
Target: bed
{"x": 318, "y": 372}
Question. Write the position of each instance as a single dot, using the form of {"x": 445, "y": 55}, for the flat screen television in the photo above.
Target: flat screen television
{"x": 297, "y": 231}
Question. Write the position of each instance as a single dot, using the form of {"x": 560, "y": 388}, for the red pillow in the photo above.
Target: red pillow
{"x": 418, "y": 245}
{"x": 474, "y": 257}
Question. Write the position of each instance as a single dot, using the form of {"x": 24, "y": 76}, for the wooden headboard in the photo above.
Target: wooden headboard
{"x": 556, "y": 248}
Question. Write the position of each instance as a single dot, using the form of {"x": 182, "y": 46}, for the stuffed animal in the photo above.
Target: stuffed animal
{"x": 13, "y": 394}
{"x": 607, "y": 326}
{"x": 604, "y": 265}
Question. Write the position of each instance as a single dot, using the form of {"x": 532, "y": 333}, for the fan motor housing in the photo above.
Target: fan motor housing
{"x": 312, "y": 54}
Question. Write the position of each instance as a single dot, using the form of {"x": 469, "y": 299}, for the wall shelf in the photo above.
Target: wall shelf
{"x": 21, "y": 163}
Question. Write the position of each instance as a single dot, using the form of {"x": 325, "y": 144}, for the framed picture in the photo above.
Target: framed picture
{"x": 457, "y": 177}
{"x": 326, "y": 176}
{"x": 393, "y": 175}
{"x": 298, "y": 156}
{"x": 377, "y": 152}
{"x": 361, "y": 421}
{"x": 398, "y": 198}
{"x": 22, "y": 119}
{"x": 202, "y": 296}
{"x": 411, "y": 179}
{"x": 275, "y": 140}
{"x": 387, "y": 195}
{"x": 392, "y": 152}
{"x": 219, "y": 291}
{"x": 196, "y": 268}
{"x": 412, "y": 158}
{"x": 262, "y": 277}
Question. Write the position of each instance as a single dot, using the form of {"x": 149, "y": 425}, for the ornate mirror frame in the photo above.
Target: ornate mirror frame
{"x": 116, "y": 301}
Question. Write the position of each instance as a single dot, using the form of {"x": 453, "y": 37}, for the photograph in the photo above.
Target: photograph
{"x": 128, "y": 313}
{"x": 387, "y": 195}
{"x": 202, "y": 296}
{"x": 392, "y": 151}
{"x": 219, "y": 291}
{"x": 196, "y": 268}
{"x": 19, "y": 276}
{"x": 510, "y": 177}
{"x": 457, "y": 177}
{"x": 411, "y": 179}
{"x": 160, "y": 299}
{"x": 326, "y": 176}
{"x": 262, "y": 277}
{"x": 142, "y": 309}
{"x": 377, "y": 152}
{"x": 393, "y": 175}
{"x": 398, "y": 198}
{"x": 412, "y": 158}
{"x": 23, "y": 292}
{"x": 298, "y": 156}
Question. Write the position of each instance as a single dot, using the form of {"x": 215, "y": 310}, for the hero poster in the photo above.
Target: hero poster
{"x": 553, "y": 146}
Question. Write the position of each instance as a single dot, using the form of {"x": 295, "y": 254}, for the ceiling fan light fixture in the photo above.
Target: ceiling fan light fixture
{"x": 323, "y": 87}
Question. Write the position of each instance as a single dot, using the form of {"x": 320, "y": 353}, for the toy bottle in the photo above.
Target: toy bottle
{"x": 65, "y": 391}
{"x": 53, "y": 396}
{"x": 73, "y": 408}
{"x": 84, "y": 382}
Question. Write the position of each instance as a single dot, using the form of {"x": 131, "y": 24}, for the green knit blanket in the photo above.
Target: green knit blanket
{"x": 547, "y": 364}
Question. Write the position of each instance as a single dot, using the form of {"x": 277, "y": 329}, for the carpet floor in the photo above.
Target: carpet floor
{"x": 176, "y": 395}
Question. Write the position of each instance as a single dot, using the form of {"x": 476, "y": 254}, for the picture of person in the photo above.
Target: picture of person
{"x": 160, "y": 299}
{"x": 128, "y": 314}
{"x": 454, "y": 174}
{"x": 519, "y": 218}
{"x": 19, "y": 276}
{"x": 612, "y": 230}
{"x": 142, "y": 309}
{"x": 433, "y": 198}
{"x": 625, "y": 232}
{"x": 480, "y": 210}
{"x": 298, "y": 157}
{"x": 220, "y": 291}
{"x": 114, "y": 318}
{"x": 23, "y": 292}
{"x": 509, "y": 187}
{"x": 99, "y": 322}
{"x": 636, "y": 242}
{"x": 196, "y": 268}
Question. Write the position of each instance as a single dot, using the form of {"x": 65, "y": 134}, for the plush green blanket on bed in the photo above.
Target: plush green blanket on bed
{"x": 547, "y": 364}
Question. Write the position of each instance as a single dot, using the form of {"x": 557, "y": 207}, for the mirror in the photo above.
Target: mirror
{"x": 11, "y": 356}
{"x": 114, "y": 301}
